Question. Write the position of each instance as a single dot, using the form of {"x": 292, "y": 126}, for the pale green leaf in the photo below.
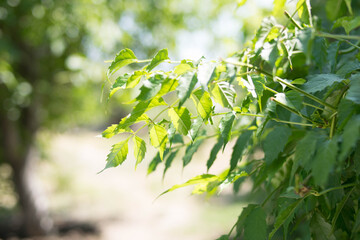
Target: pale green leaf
{"x": 214, "y": 151}
{"x": 319, "y": 82}
{"x": 167, "y": 86}
{"x": 123, "y": 58}
{"x": 255, "y": 227}
{"x": 161, "y": 56}
{"x": 279, "y": 7}
{"x": 134, "y": 79}
{"x": 304, "y": 11}
{"x": 225, "y": 126}
{"x": 180, "y": 117}
{"x": 320, "y": 229}
{"x": 195, "y": 127}
{"x": 182, "y": 68}
{"x": 139, "y": 149}
{"x": 241, "y": 2}
{"x": 206, "y": 72}
{"x": 203, "y": 103}
{"x": 117, "y": 154}
{"x": 158, "y": 138}
{"x": 118, "y": 84}
{"x": 113, "y": 130}
{"x": 324, "y": 160}
{"x": 275, "y": 142}
{"x": 223, "y": 93}
{"x": 150, "y": 87}
{"x": 205, "y": 178}
{"x": 284, "y": 215}
{"x": 187, "y": 83}
{"x": 353, "y": 93}
{"x": 238, "y": 149}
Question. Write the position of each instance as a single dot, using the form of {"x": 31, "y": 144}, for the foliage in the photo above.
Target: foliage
{"x": 292, "y": 94}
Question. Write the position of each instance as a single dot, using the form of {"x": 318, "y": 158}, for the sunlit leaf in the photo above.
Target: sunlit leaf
{"x": 117, "y": 154}
{"x": 182, "y": 68}
{"x": 304, "y": 11}
{"x": 180, "y": 117}
{"x": 161, "y": 56}
{"x": 134, "y": 79}
{"x": 113, "y": 130}
{"x": 139, "y": 149}
{"x": 186, "y": 84}
{"x": 203, "y": 103}
{"x": 279, "y": 7}
{"x": 123, "y": 58}
{"x": 119, "y": 83}
{"x": 158, "y": 138}
{"x": 223, "y": 93}
{"x": 150, "y": 87}
{"x": 195, "y": 127}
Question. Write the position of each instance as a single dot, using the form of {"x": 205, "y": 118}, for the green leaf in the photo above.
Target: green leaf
{"x": 182, "y": 68}
{"x": 206, "y": 72}
{"x": 195, "y": 127}
{"x": 306, "y": 38}
{"x": 180, "y": 117}
{"x": 340, "y": 206}
{"x": 223, "y": 93}
{"x": 275, "y": 142}
{"x": 169, "y": 161}
{"x": 347, "y": 68}
{"x": 113, "y": 130}
{"x": 117, "y": 154}
{"x": 190, "y": 150}
{"x": 255, "y": 227}
{"x": 161, "y": 56}
{"x": 305, "y": 150}
{"x": 241, "y": 2}
{"x": 225, "y": 126}
{"x": 186, "y": 84}
{"x": 223, "y": 237}
{"x": 155, "y": 162}
{"x": 238, "y": 149}
{"x": 350, "y": 136}
{"x": 255, "y": 85}
{"x": 119, "y": 83}
{"x": 319, "y": 82}
{"x": 150, "y": 87}
{"x": 320, "y": 229}
{"x": 139, "y": 149}
{"x": 353, "y": 93}
{"x": 279, "y": 7}
{"x": 134, "y": 79}
{"x": 123, "y": 58}
{"x": 349, "y": 23}
{"x": 324, "y": 161}
{"x": 214, "y": 151}
{"x": 292, "y": 99}
{"x": 158, "y": 138}
{"x": 284, "y": 215}
{"x": 270, "y": 53}
{"x": 304, "y": 11}
{"x": 205, "y": 178}
{"x": 203, "y": 103}
{"x": 243, "y": 217}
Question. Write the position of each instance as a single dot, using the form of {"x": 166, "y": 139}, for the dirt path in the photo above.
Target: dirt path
{"x": 121, "y": 200}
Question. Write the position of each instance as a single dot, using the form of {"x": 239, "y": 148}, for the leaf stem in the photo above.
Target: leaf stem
{"x": 294, "y": 123}
{"x": 337, "y": 36}
{"x": 287, "y": 14}
{"x": 292, "y": 110}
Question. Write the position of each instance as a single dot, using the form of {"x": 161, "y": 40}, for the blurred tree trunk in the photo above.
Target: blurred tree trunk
{"x": 19, "y": 153}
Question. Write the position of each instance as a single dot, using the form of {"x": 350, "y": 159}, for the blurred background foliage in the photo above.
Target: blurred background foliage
{"x": 52, "y": 67}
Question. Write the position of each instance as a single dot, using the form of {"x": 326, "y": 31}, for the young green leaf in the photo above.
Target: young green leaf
{"x": 150, "y": 87}
{"x": 304, "y": 11}
{"x": 279, "y": 7}
{"x": 187, "y": 83}
{"x": 203, "y": 103}
{"x": 113, "y": 130}
{"x": 320, "y": 229}
{"x": 167, "y": 86}
{"x": 225, "y": 126}
{"x": 324, "y": 160}
{"x": 134, "y": 79}
{"x": 119, "y": 83}
{"x": 158, "y": 138}
{"x": 139, "y": 149}
{"x": 275, "y": 142}
{"x": 255, "y": 227}
{"x": 117, "y": 154}
{"x": 214, "y": 151}
{"x": 238, "y": 149}
{"x": 223, "y": 93}
{"x": 161, "y": 56}
{"x": 123, "y": 58}
{"x": 180, "y": 117}
{"x": 182, "y": 68}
